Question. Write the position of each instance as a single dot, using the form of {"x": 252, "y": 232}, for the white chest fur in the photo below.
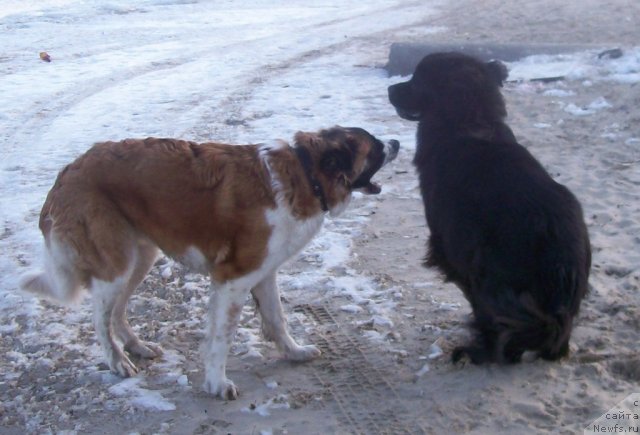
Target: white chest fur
{"x": 289, "y": 235}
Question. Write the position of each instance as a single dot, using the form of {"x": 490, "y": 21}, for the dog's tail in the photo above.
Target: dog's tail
{"x": 515, "y": 322}
{"x": 60, "y": 279}
{"x": 541, "y": 320}
{"x": 528, "y": 327}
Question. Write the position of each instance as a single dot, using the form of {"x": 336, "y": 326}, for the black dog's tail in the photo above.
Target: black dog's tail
{"x": 504, "y": 337}
{"x": 513, "y": 323}
{"x": 528, "y": 327}
{"x": 512, "y": 315}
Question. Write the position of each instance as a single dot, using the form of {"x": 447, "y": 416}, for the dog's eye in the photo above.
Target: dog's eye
{"x": 336, "y": 161}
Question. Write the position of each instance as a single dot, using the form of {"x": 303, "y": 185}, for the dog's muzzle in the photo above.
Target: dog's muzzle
{"x": 364, "y": 183}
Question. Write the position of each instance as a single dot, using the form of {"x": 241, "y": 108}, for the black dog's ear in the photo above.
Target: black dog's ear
{"x": 336, "y": 161}
{"x": 498, "y": 71}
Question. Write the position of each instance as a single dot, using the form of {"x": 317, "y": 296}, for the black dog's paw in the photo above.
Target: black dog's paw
{"x": 458, "y": 354}
{"x": 475, "y": 354}
{"x": 555, "y": 354}
{"x": 478, "y": 354}
{"x": 511, "y": 356}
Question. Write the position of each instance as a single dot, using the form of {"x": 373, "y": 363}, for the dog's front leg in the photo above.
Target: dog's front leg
{"x": 225, "y": 306}
{"x": 274, "y": 324}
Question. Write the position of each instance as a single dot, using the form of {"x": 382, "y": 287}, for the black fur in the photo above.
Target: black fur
{"x": 501, "y": 228}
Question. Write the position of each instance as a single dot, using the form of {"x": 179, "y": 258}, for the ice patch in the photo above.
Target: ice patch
{"x": 264, "y": 409}
{"x": 560, "y": 93}
{"x": 435, "y": 351}
{"x": 584, "y": 66}
{"x": 141, "y": 397}
{"x": 350, "y": 308}
{"x": 271, "y": 384}
{"x": 424, "y": 370}
{"x": 593, "y": 107}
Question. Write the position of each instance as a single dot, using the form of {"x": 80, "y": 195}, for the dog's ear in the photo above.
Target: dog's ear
{"x": 336, "y": 162}
{"x": 498, "y": 71}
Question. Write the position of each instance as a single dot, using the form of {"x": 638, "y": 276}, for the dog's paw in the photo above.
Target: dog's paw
{"x": 302, "y": 353}
{"x": 144, "y": 350}
{"x": 123, "y": 366}
{"x": 458, "y": 355}
{"x": 476, "y": 355}
{"x": 225, "y": 389}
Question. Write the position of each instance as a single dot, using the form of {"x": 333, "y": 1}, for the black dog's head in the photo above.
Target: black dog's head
{"x": 452, "y": 88}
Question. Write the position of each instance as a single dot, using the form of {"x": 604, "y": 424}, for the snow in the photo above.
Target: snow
{"x": 435, "y": 351}
{"x": 160, "y": 68}
{"x": 239, "y": 72}
{"x": 423, "y": 371}
{"x": 271, "y": 384}
{"x": 142, "y": 397}
{"x": 591, "y": 108}
{"x": 585, "y": 65}
{"x": 558, "y": 93}
{"x": 264, "y": 409}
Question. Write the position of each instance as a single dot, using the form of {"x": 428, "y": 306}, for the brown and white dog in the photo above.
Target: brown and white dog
{"x": 236, "y": 212}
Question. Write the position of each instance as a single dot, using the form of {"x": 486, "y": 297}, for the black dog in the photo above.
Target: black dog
{"x": 501, "y": 228}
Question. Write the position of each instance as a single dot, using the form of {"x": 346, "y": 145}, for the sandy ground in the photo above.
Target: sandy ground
{"x": 399, "y": 384}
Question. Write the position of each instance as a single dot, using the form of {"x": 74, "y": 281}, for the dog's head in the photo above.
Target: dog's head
{"x": 453, "y": 88}
{"x": 345, "y": 159}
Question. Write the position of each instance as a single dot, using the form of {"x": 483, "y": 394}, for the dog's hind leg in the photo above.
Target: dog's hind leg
{"x": 482, "y": 348}
{"x": 104, "y": 295}
{"x": 274, "y": 325}
{"x": 552, "y": 355}
{"x": 146, "y": 257}
{"x": 556, "y": 346}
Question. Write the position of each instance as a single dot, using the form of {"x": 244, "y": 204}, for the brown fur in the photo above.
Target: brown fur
{"x": 177, "y": 194}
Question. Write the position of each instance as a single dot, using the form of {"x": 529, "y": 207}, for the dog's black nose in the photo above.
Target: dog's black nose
{"x": 395, "y": 145}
